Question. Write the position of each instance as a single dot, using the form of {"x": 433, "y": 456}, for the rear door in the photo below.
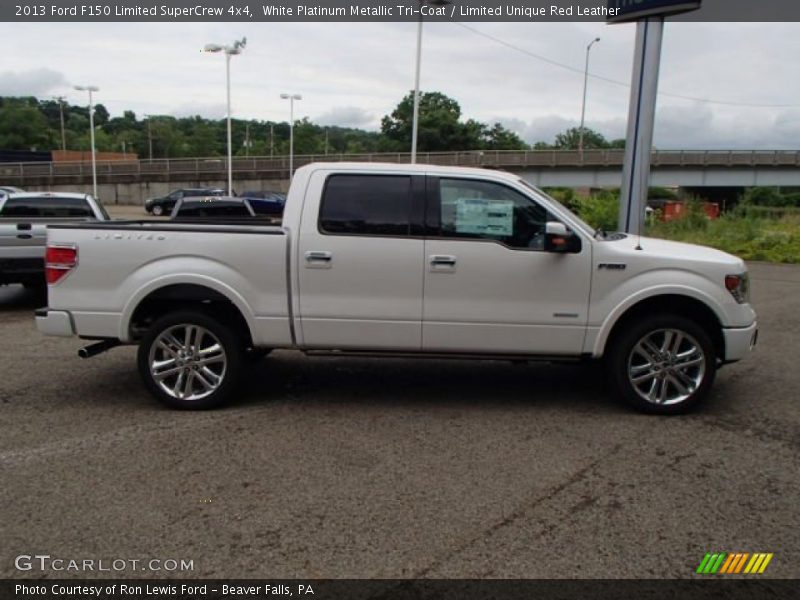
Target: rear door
{"x": 360, "y": 271}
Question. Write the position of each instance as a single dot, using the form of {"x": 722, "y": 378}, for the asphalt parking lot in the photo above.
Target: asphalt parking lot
{"x": 394, "y": 468}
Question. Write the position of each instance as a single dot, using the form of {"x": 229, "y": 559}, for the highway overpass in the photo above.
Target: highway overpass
{"x": 131, "y": 181}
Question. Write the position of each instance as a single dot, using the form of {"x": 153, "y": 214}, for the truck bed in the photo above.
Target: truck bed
{"x": 121, "y": 262}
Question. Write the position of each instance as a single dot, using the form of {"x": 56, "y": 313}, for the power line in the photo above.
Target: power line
{"x": 561, "y": 65}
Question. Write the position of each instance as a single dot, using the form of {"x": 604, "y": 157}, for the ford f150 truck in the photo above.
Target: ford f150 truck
{"x": 400, "y": 260}
{"x": 23, "y": 221}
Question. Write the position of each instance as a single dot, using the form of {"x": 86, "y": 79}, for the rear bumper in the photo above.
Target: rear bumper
{"x": 739, "y": 341}
{"x": 54, "y": 322}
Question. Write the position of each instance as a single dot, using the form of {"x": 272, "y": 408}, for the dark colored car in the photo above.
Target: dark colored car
{"x": 267, "y": 203}
{"x": 165, "y": 204}
{"x": 226, "y": 207}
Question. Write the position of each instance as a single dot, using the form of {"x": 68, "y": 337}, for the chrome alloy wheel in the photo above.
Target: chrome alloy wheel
{"x": 666, "y": 366}
{"x": 187, "y": 362}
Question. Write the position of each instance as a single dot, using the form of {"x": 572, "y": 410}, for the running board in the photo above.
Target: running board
{"x": 445, "y": 355}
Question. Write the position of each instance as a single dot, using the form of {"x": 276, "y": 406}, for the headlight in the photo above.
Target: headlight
{"x": 739, "y": 287}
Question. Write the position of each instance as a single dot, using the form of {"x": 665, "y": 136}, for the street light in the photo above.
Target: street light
{"x": 585, "y": 83}
{"x": 235, "y": 48}
{"x": 291, "y": 98}
{"x": 415, "y": 122}
{"x": 91, "y": 89}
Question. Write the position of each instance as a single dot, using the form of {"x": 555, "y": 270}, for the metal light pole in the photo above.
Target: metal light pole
{"x": 415, "y": 121}
{"x": 233, "y": 49}
{"x": 91, "y": 89}
{"x": 291, "y": 98}
{"x": 585, "y": 85}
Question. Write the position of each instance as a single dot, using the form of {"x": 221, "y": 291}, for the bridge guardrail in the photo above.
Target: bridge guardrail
{"x": 279, "y": 166}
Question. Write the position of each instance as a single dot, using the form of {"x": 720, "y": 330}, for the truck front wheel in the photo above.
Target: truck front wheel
{"x": 663, "y": 364}
{"x": 189, "y": 360}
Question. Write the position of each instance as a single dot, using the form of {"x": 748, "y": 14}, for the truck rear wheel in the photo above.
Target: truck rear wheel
{"x": 190, "y": 360}
{"x": 663, "y": 364}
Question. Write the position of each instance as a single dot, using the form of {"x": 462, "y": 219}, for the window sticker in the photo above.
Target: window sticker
{"x": 485, "y": 217}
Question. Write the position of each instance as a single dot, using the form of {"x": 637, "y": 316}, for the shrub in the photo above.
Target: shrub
{"x": 600, "y": 210}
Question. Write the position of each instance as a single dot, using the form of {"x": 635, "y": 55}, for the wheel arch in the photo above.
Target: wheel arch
{"x": 161, "y": 298}
{"x": 679, "y": 304}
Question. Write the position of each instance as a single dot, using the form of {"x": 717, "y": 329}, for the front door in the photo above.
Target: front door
{"x": 490, "y": 286}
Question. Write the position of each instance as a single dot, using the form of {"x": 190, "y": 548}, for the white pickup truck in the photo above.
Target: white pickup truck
{"x": 24, "y": 217}
{"x": 400, "y": 260}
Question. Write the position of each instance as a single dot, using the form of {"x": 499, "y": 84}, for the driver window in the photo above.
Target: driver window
{"x": 484, "y": 210}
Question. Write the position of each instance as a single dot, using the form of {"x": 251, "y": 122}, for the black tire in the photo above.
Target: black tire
{"x": 690, "y": 362}
{"x": 193, "y": 392}
{"x": 157, "y": 210}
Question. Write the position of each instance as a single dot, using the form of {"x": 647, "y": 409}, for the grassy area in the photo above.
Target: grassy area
{"x": 750, "y": 233}
{"x": 750, "y": 238}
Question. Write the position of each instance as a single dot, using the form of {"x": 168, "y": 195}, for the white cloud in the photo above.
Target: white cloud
{"x": 354, "y": 73}
{"x": 348, "y": 116}
{"x": 34, "y": 82}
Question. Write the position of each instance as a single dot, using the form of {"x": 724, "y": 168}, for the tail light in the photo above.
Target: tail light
{"x": 60, "y": 259}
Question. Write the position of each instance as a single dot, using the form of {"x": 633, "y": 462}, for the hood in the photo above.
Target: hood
{"x": 683, "y": 252}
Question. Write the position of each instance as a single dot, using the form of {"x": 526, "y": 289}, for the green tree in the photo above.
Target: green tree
{"x": 570, "y": 139}
{"x": 23, "y": 127}
{"x": 439, "y": 126}
{"x": 500, "y": 138}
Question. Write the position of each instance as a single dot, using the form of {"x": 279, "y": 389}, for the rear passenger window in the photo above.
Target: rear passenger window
{"x": 46, "y": 207}
{"x": 366, "y": 205}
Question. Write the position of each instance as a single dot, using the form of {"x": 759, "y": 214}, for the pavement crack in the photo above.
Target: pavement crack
{"x": 517, "y": 514}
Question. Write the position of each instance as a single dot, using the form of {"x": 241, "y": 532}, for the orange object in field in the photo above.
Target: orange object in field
{"x": 674, "y": 210}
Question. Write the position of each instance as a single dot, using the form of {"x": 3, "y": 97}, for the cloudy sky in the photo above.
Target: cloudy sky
{"x": 732, "y": 86}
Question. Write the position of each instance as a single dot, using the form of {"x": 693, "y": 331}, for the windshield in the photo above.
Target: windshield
{"x": 587, "y": 229}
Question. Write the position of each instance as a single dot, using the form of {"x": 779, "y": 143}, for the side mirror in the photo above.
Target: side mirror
{"x": 558, "y": 238}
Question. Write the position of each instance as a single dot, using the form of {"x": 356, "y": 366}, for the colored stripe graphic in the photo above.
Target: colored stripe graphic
{"x": 703, "y": 563}
{"x": 728, "y": 563}
{"x": 734, "y": 563}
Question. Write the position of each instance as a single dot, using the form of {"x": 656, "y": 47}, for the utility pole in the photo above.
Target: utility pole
{"x": 271, "y": 140}
{"x": 585, "y": 86}
{"x": 150, "y": 137}
{"x": 61, "y": 114}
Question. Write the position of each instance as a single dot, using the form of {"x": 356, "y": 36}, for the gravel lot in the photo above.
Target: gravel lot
{"x": 394, "y": 468}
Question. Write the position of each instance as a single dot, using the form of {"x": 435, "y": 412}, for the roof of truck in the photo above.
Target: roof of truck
{"x": 409, "y": 168}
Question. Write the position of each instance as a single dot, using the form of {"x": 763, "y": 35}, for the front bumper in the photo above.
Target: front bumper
{"x": 54, "y": 322}
{"x": 739, "y": 341}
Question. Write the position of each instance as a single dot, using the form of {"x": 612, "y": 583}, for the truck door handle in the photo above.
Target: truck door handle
{"x": 438, "y": 260}
{"x": 24, "y": 227}
{"x": 24, "y": 236}
{"x": 317, "y": 256}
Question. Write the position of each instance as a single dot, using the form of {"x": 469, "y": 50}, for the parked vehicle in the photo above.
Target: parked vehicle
{"x": 401, "y": 260}
{"x": 23, "y": 221}
{"x": 270, "y": 203}
{"x": 224, "y": 207}
{"x": 5, "y": 190}
{"x": 165, "y": 204}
